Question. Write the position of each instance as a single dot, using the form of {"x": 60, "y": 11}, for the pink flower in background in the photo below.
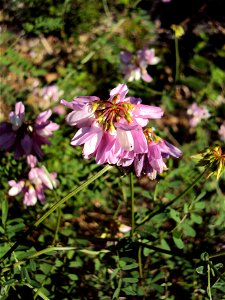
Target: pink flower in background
{"x": 51, "y": 93}
{"x": 152, "y": 162}
{"x": 33, "y": 189}
{"x": 221, "y": 132}
{"x": 47, "y": 97}
{"x": 197, "y": 114}
{"x": 26, "y": 137}
{"x": 134, "y": 66}
{"x": 110, "y": 129}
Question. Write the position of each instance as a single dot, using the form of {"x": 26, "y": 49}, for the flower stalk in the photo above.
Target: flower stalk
{"x": 132, "y": 204}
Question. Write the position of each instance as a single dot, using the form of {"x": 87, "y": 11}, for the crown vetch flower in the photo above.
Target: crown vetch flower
{"x": 33, "y": 188}
{"x": 213, "y": 158}
{"x": 197, "y": 114}
{"x": 109, "y": 129}
{"x": 152, "y": 162}
{"x": 134, "y": 66}
{"x": 26, "y": 137}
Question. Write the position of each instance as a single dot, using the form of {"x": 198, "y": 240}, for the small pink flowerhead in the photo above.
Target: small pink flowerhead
{"x": 51, "y": 92}
{"x": 134, "y": 66}
{"x": 152, "y": 162}
{"x": 197, "y": 114}
{"x": 26, "y": 137}
{"x": 111, "y": 130}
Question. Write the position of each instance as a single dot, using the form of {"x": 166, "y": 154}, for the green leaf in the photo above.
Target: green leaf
{"x": 8, "y": 282}
{"x": 188, "y": 230}
{"x": 186, "y": 208}
{"x": 130, "y": 280}
{"x": 45, "y": 268}
{"x": 200, "y": 270}
{"x": 129, "y": 291}
{"x": 129, "y": 267}
{"x": 177, "y": 240}
{"x": 5, "y": 208}
{"x": 33, "y": 265}
{"x": 205, "y": 256}
{"x": 218, "y": 75}
{"x": 196, "y": 218}
{"x": 165, "y": 245}
{"x": 73, "y": 277}
{"x": 175, "y": 215}
{"x": 200, "y": 205}
{"x": 220, "y": 286}
{"x": 92, "y": 252}
{"x": 116, "y": 293}
{"x": 24, "y": 274}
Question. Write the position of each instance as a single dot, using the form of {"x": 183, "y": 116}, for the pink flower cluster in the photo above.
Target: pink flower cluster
{"x": 26, "y": 137}
{"x": 134, "y": 66}
{"x": 197, "y": 114}
{"x": 112, "y": 132}
{"x": 33, "y": 188}
{"x": 51, "y": 93}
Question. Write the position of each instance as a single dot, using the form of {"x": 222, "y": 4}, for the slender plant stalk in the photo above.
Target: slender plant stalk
{"x": 217, "y": 254}
{"x": 163, "y": 207}
{"x": 140, "y": 262}
{"x": 37, "y": 254}
{"x": 177, "y": 74}
{"x": 71, "y": 194}
{"x": 59, "y": 210}
{"x": 53, "y": 208}
{"x": 132, "y": 204}
{"x": 209, "y": 282}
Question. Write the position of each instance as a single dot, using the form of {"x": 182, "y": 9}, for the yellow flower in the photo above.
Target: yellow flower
{"x": 178, "y": 30}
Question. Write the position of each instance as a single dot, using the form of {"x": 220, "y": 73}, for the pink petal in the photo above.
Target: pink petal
{"x": 80, "y": 118}
{"x": 125, "y": 139}
{"x": 43, "y": 117}
{"x": 91, "y": 145}
{"x": 146, "y": 77}
{"x": 30, "y": 197}
{"x": 140, "y": 143}
{"x": 150, "y": 112}
{"x": 84, "y": 134}
{"x": 120, "y": 89}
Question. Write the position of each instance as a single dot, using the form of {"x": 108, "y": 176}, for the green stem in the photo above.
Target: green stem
{"x": 177, "y": 59}
{"x": 140, "y": 262}
{"x": 53, "y": 208}
{"x": 209, "y": 282}
{"x": 163, "y": 207}
{"x": 59, "y": 210}
{"x": 132, "y": 203}
{"x": 36, "y": 254}
{"x": 71, "y": 194}
{"x": 217, "y": 255}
